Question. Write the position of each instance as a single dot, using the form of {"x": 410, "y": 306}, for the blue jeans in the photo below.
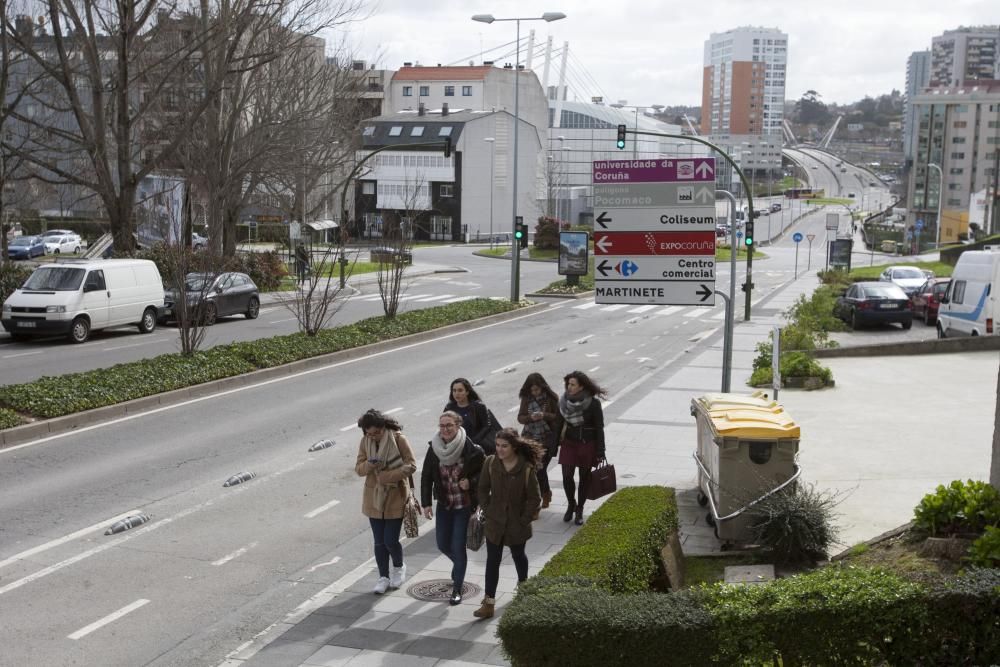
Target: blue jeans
{"x": 450, "y": 526}
{"x": 386, "y": 533}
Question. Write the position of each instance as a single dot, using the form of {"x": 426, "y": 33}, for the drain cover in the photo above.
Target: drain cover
{"x": 439, "y": 590}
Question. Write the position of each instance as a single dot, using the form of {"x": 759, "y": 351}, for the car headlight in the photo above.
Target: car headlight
{"x": 7, "y": 308}
{"x": 55, "y": 309}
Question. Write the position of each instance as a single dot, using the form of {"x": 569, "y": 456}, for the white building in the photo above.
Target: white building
{"x": 965, "y": 55}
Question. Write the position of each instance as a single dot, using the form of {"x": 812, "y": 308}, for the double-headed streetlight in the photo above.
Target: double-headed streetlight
{"x": 515, "y": 257}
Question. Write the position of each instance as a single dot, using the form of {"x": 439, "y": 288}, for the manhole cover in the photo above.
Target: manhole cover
{"x": 439, "y": 590}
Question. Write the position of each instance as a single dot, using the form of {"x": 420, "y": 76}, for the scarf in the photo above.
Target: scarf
{"x": 572, "y": 411}
{"x": 536, "y": 429}
{"x": 449, "y": 453}
{"x": 387, "y": 451}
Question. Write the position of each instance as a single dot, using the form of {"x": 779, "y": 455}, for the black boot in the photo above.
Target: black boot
{"x": 568, "y": 516}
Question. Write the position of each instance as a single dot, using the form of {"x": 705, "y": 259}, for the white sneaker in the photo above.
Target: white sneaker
{"x": 381, "y": 586}
{"x": 397, "y": 575}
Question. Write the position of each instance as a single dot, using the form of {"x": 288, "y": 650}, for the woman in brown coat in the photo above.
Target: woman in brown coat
{"x": 386, "y": 462}
{"x": 509, "y": 496}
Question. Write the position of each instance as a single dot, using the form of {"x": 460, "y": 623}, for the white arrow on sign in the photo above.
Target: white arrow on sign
{"x": 705, "y": 195}
{"x": 703, "y": 169}
{"x": 603, "y": 244}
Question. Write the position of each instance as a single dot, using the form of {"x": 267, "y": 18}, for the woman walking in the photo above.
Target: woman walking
{"x": 386, "y": 462}
{"x": 539, "y": 413}
{"x": 508, "y": 494}
{"x": 451, "y": 474}
{"x": 464, "y": 400}
{"x": 582, "y": 438}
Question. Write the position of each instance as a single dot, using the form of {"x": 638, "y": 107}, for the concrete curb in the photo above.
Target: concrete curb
{"x": 936, "y": 346}
{"x": 42, "y": 428}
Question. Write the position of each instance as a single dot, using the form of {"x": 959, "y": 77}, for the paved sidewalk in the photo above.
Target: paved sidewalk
{"x": 859, "y": 439}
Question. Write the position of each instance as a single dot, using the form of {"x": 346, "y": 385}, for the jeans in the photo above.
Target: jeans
{"x": 494, "y": 554}
{"x": 450, "y": 527}
{"x": 386, "y": 533}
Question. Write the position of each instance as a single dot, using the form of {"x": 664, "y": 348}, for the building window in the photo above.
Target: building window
{"x": 449, "y": 91}
{"x": 466, "y": 91}
{"x": 956, "y": 171}
{"x": 958, "y": 140}
{"x": 367, "y": 187}
{"x": 417, "y": 131}
{"x": 425, "y": 91}
{"x": 957, "y": 156}
{"x": 395, "y": 130}
{"x": 445, "y": 131}
{"x": 954, "y": 202}
{"x": 407, "y": 91}
{"x": 960, "y": 123}
{"x": 447, "y": 190}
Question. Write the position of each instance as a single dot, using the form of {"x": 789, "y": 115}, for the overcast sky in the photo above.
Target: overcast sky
{"x": 650, "y": 52}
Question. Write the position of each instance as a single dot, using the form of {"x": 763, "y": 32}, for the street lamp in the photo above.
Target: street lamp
{"x": 515, "y": 253}
{"x": 493, "y": 142}
{"x": 931, "y": 165}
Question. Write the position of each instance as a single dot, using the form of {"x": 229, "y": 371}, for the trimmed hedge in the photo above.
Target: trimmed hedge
{"x": 9, "y": 418}
{"x": 619, "y": 547}
{"x": 56, "y": 396}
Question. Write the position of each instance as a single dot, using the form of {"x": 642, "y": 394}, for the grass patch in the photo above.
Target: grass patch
{"x": 499, "y": 251}
{"x": 819, "y": 201}
{"x": 724, "y": 253}
{"x": 712, "y": 569}
{"x": 543, "y": 253}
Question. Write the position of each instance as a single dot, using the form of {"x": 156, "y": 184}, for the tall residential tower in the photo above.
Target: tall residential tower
{"x": 918, "y": 74}
{"x": 965, "y": 54}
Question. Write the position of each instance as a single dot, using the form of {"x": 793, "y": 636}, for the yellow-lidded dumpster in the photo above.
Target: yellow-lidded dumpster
{"x": 747, "y": 451}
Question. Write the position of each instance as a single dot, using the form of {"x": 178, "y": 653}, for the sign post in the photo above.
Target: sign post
{"x": 811, "y": 238}
{"x": 654, "y": 231}
{"x": 797, "y": 237}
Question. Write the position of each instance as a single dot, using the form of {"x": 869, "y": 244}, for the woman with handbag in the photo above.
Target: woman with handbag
{"x": 386, "y": 462}
{"x": 464, "y": 400}
{"x": 582, "y": 438}
{"x": 539, "y": 413}
{"x": 509, "y": 496}
{"x": 451, "y": 474}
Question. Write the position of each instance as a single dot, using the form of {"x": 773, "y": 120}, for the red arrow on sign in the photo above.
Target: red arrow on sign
{"x": 654, "y": 243}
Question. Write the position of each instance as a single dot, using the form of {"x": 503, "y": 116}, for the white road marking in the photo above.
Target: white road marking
{"x": 394, "y": 410}
{"x": 694, "y": 312}
{"x": 110, "y": 618}
{"x": 594, "y": 369}
{"x": 503, "y": 368}
{"x": 719, "y": 315}
{"x": 586, "y": 306}
{"x": 581, "y": 341}
{"x": 332, "y": 561}
{"x": 322, "y": 508}
{"x": 409, "y": 297}
{"x": 122, "y": 347}
{"x": 611, "y": 309}
{"x": 290, "y": 319}
{"x": 66, "y": 538}
{"x": 458, "y": 298}
{"x": 643, "y": 309}
{"x": 348, "y": 428}
{"x": 699, "y": 336}
{"x": 670, "y": 310}
{"x": 630, "y": 351}
{"x": 22, "y": 354}
{"x": 435, "y": 298}
{"x": 514, "y": 409}
{"x": 236, "y": 554}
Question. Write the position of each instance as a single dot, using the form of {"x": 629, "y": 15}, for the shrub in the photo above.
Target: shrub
{"x": 12, "y": 276}
{"x": 815, "y": 313}
{"x": 796, "y": 524}
{"x": 800, "y": 364}
{"x": 9, "y": 418}
{"x": 619, "y": 547}
{"x": 266, "y": 269}
{"x": 547, "y": 233}
{"x": 960, "y": 507}
{"x": 985, "y": 551}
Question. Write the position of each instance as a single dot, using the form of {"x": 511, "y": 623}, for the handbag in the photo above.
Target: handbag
{"x": 411, "y": 512}
{"x": 490, "y": 444}
{"x": 602, "y": 481}
{"x": 475, "y": 533}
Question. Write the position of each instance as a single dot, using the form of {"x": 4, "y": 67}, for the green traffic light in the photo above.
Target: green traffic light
{"x": 621, "y": 145}
{"x": 748, "y": 241}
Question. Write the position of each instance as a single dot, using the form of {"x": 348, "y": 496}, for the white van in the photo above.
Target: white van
{"x": 75, "y": 297}
{"x": 968, "y": 307}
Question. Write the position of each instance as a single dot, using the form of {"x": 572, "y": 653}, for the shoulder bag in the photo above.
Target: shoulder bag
{"x": 602, "y": 481}
{"x": 411, "y": 513}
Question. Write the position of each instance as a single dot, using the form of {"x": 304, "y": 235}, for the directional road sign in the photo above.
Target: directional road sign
{"x": 797, "y": 237}
{"x": 654, "y": 231}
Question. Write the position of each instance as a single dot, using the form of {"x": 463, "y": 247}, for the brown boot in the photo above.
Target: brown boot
{"x": 486, "y": 610}
{"x": 546, "y": 499}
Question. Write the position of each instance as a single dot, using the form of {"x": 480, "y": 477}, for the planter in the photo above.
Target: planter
{"x": 806, "y": 382}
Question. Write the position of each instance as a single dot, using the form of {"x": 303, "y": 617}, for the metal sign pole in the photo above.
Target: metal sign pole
{"x": 727, "y": 345}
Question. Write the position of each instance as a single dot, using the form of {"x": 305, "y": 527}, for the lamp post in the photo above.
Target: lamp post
{"x": 931, "y": 165}
{"x": 493, "y": 142}
{"x": 515, "y": 251}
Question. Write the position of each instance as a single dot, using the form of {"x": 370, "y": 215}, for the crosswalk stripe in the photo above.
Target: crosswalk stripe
{"x": 611, "y": 309}
{"x": 435, "y": 298}
{"x": 458, "y": 298}
{"x": 642, "y": 309}
{"x": 586, "y": 306}
{"x": 670, "y": 310}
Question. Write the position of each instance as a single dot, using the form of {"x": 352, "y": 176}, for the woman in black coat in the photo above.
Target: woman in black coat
{"x": 464, "y": 400}
{"x": 581, "y": 444}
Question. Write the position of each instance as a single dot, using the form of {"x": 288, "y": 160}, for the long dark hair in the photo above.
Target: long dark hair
{"x": 374, "y": 418}
{"x": 589, "y": 385}
{"x": 473, "y": 396}
{"x": 534, "y": 379}
{"x": 532, "y": 451}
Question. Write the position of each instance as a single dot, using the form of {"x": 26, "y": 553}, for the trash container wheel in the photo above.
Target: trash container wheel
{"x": 710, "y": 520}
{"x": 702, "y": 499}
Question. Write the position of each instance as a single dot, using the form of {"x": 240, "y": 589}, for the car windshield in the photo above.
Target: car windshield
{"x": 883, "y": 292}
{"x": 22, "y": 240}
{"x": 908, "y": 273}
{"x": 58, "y": 278}
{"x": 196, "y": 282}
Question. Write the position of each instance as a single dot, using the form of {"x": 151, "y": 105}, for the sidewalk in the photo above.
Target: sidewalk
{"x": 864, "y": 438}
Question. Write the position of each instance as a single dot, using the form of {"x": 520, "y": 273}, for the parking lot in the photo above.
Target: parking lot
{"x": 884, "y": 333}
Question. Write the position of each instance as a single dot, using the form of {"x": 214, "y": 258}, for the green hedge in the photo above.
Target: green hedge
{"x": 619, "y": 547}
{"x": 9, "y": 418}
{"x": 56, "y": 396}
{"x": 837, "y": 615}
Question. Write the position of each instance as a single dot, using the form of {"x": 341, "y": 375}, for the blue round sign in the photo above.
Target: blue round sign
{"x": 739, "y": 234}
{"x": 797, "y": 237}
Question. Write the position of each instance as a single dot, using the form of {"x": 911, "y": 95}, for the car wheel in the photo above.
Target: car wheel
{"x": 79, "y": 331}
{"x": 941, "y": 333}
{"x": 907, "y": 324}
{"x": 148, "y": 322}
{"x": 56, "y": 251}
{"x": 253, "y": 308}
{"x": 76, "y": 250}
{"x": 855, "y": 324}
{"x": 211, "y": 315}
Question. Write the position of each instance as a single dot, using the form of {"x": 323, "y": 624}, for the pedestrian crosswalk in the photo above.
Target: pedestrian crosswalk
{"x": 418, "y": 298}
{"x": 716, "y": 313}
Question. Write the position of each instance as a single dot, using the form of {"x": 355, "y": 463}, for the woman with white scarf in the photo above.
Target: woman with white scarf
{"x": 386, "y": 462}
{"x": 451, "y": 474}
{"x": 581, "y": 444}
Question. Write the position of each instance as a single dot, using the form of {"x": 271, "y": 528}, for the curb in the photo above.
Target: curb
{"x": 46, "y": 427}
{"x": 936, "y": 346}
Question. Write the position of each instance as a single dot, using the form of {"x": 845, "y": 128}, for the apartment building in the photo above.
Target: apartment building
{"x": 965, "y": 54}
{"x": 918, "y": 74}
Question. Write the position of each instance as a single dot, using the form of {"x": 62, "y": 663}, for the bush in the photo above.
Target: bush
{"x": 547, "y": 233}
{"x": 985, "y": 551}
{"x": 9, "y": 418}
{"x": 619, "y": 547}
{"x": 266, "y": 269}
{"x": 815, "y": 314}
{"x": 961, "y": 507}
{"x": 795, "y": 524}
{"x": 12, "y": 276}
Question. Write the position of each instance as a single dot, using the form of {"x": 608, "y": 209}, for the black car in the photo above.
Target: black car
{"x": 211, "y": 296}
{"x": 387, "y": 255}
{"x": 874, "y": 303}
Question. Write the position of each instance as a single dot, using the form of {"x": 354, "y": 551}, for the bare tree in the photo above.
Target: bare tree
{"x": 396, "y": 250}
{"x": 189, "y": 276}
{"x": 320, "y": 296}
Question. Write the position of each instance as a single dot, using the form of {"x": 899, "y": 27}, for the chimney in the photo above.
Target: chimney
{"x": 420, "y": 109}
{"x": 407, "y": 64}
{"x": 444, "y": 108}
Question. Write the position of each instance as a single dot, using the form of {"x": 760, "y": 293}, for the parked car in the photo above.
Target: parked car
{"x": 211, "y": 296}
{"x": 721, "y": 230}
{"x": 26, "y": 247}
{"x": 58, "y": 232}
{"x": 62, "y": 245}
{"x": 874, "y": 303}
{"x": 386, "y": 254}
{"x": 198, "y": 241}
{"x": 775, "y": 207}
{"x": 908, "y": 278}
{"x": 851, "y": 195}
{"x": 968, "y": 308}
{"x": 925, "y": 301}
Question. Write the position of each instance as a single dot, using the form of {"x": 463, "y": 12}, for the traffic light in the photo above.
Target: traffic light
{"x": 621, "y": 137}
{"x": 447, "y": 146}
{"x": 748, "y": 233}
{"x": 521, "y": 235}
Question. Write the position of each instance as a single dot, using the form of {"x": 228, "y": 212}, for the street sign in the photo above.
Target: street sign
{"x": 654, "y": 231}
{"x": 832, "y": 222}
{"x": 797, "y": 237}
{"x": 811, "y": 237}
